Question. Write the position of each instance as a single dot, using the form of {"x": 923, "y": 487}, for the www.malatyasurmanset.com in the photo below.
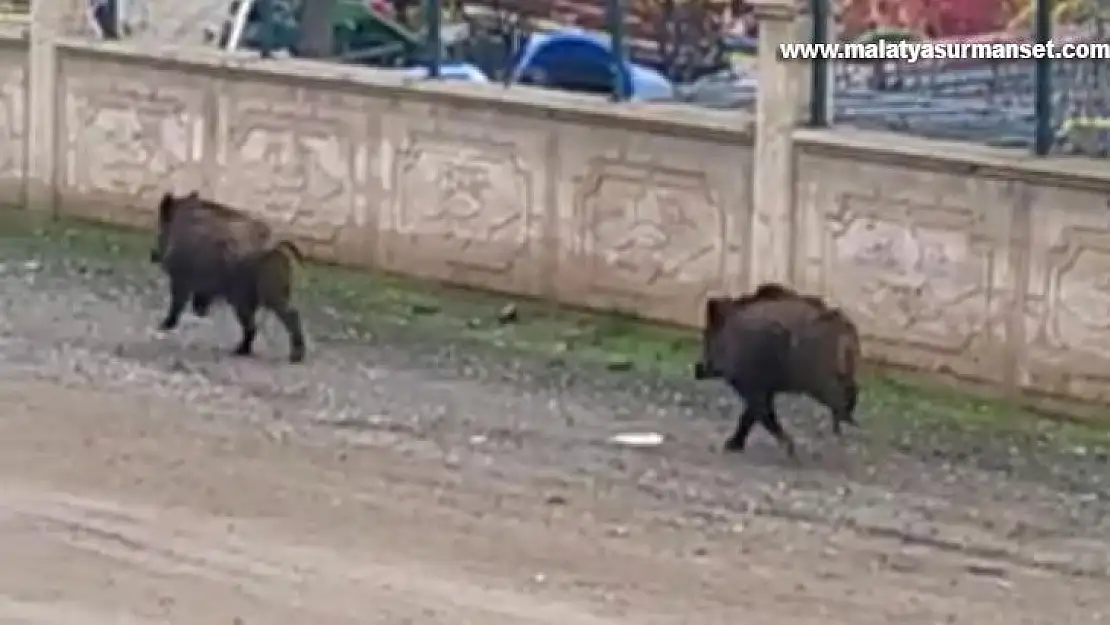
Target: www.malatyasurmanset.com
{"x": 913, "y": 52}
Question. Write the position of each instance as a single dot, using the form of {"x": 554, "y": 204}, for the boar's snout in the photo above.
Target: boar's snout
{"x": 155, "y": 256}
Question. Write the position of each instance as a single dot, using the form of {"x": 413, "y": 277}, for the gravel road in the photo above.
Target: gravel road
{"x": 405, "y": 477}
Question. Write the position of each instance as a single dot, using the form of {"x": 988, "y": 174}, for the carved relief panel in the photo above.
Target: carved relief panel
{"x": 464, "y": 198}
{"x": 920, "y": 259}
{"x": 298, "y": 157}
{"x": 651, "y": 224}
{"x": 128, "y": 134}
{"x": 1067, "y": 304}
{"x": 13, "y": 114}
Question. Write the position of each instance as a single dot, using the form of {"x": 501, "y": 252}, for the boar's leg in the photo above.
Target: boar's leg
{"x": 744, "y": 425}
{"x": 245, "y": 312}
{"x": 179, "y": 298}
{"x": 759, "y": 408}
{"x": 770, "y": 420}
{"x": 291, "y": 321}
{"x": 844, "y": 407}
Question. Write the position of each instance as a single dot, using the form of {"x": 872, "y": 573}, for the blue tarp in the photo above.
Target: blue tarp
{"x": 573, "y": 56}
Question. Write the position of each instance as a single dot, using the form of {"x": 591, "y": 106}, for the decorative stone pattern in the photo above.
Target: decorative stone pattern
{"x": 997, "y": 275}
{"x": 1067, "y": 308}
{"x": 295, "y": 156}
{"x": 652, "y": 225}
{"x": 129, "y": 134}
{"x": 13, "y": 113}
{"x": 915, "y": 260}
{"x": 461, "y": 204}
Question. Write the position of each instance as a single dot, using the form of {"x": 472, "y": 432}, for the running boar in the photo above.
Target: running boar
{"x": 776, "y": 340}
{"x": 215, "y": 253}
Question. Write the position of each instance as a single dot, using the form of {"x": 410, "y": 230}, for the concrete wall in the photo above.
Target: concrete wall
{"x": 13, "y": 119}
{"x": 501, "y": 189}
{"x": 967, "y": 262}
{"x": 981, "y": 264}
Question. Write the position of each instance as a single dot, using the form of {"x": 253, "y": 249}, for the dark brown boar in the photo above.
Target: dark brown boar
{"x": 212, "y": 252}
{"x": 776, "y": 340}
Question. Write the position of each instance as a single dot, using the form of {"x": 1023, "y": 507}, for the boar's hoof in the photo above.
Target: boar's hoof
{"x": 242, "y": 350}
{"x": 296, "y": 356}
{"x": 734, "y": 444}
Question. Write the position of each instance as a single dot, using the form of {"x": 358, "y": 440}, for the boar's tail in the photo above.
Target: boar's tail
{"x": 283, "y": 252}
{"x": 280, "y": 257}
{"x": 847, "y": 352}
{"x": 289, "y": 249}
{"x": 847, "y": 342}
{"x": 274, "y": 273}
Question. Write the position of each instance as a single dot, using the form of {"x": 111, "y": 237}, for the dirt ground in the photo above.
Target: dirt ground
{"x": 152, "y": 479}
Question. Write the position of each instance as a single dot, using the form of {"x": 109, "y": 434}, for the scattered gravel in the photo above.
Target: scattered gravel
{"x": 485, "y": 408}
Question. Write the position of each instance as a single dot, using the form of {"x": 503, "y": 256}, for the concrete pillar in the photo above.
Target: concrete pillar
{"x": 782, "y": 105}
{"x": 49, "y": 20}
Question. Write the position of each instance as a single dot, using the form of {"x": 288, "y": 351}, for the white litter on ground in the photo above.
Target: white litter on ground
{"x": 638, "y": 439}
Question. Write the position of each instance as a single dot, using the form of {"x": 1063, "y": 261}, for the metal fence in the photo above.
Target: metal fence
{"x": 689, "y": 45}
{"x": 702, "y": 51}
{"x": 685, "y": 50}
{"x": 1042, "y": 105}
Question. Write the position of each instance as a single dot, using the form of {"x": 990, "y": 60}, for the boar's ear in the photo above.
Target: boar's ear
{"x": 165, "y": 207}
{"x": 716, "y": 309}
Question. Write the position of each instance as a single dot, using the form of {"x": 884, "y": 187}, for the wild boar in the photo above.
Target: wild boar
{"x": 776, "y": 340}
{"x": 212, "y": 252}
